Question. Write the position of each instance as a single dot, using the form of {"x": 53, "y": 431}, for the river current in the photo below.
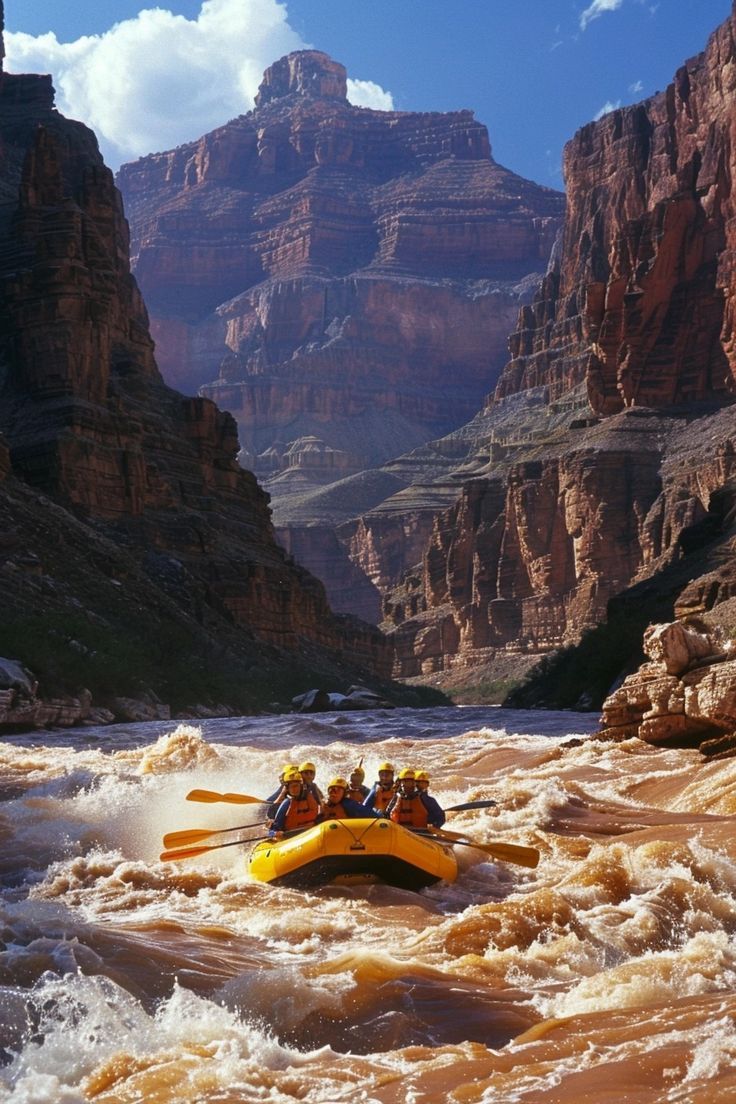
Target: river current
{"x": 606, "y": 974}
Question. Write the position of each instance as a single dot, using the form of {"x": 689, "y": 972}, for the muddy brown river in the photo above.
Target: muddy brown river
{"x": 606, "y": 974}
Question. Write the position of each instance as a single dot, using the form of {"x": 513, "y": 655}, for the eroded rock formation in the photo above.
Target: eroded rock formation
{"x": 685, "y": 696}
{"x": 625, "y": 363}
{"x": 636, "y": 309}
{"x": 338, "y": 272}
{"x": 128, "y": 522}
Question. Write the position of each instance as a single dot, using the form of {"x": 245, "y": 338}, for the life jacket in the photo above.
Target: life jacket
{"x": 359, "y": 794}
{"x": 302, "y": 812}
{"x": 409, "y": 812}
{"x": 334, "y": 812}
{"x": 383, "y": 798}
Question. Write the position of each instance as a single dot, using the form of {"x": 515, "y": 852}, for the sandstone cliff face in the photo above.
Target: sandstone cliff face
{"x": 526, "y": 560}
{"x": 341, "y": 273}
{"x": 629, "y": 347}
{"x": 637, "y": 308}
{"x": 90, "y": 427}
{"x": 684, "y": 696}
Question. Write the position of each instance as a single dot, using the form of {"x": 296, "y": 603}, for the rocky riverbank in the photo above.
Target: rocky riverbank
{"x": 684, "y": 696}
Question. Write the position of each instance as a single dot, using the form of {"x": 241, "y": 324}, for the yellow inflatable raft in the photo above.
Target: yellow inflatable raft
{"x": 353, "y": 852}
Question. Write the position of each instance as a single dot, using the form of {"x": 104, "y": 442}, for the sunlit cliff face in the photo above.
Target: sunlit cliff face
{"x": 614, "y": 958}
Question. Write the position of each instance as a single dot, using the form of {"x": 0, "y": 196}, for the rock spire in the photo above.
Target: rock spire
{"x": 308, "y": 73}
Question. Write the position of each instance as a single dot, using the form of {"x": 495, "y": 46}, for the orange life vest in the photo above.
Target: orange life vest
{"x": 334, "y": 812}
{"x": 410, "y": 812}
{"x": 302, "y": 812}
{"x": 383, "y": 798}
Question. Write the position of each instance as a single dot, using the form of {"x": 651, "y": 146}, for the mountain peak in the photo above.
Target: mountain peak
{"x": 309, "y": 73}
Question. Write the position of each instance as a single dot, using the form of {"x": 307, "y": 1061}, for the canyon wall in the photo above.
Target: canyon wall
{"x": 636, "y": 308}
{"x": 125, "y": 510}
{"x": 628, "y": 346}
{"x": 343, "y": 280}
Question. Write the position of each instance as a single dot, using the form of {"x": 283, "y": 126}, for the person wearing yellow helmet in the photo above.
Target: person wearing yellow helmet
{"x": 278, "y": 794}
{"x": 308, "y": 771}
{"x": 298, "y": 810}
{"x": 338, "y": 805}
{"x": 357, "y": 791}
{"x": 412, "y": 807}
{"x": 422, "y": 780}
{"x": 383, "y": 790}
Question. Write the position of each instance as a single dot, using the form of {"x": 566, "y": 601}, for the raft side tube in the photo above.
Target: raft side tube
{"x": 353, "y": 851}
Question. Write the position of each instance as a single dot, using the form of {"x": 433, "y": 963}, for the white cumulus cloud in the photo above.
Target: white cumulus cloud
{"x": 606, "y": 109}
{"x": 363, "y": 93}
{"x": 596, "y": 9}
{"x": 160, "y": 79}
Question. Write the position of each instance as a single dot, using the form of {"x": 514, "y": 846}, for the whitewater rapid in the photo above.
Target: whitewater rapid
{"x": 608, "y": 973}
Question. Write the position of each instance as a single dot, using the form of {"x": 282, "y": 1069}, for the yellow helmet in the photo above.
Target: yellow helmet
{"x": 337, "y": 781}
{"x": 386, "y": 767}
{"x": 358, "y": 772}
{"x": 422, "y": 776}
{"x": 292, "y": 775}
{"x": 288, "y": 767}
{"x": 308, "y": 766}
{"x": 407, "y": 772}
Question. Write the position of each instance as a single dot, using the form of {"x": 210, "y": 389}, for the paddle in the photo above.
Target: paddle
{"x": 194, "y": 835}
{"x": 471, "y": 805}
{"x": 192, "y": 852}
{"x": 246, "y": 799}
{"x": 506, "y": 852}
{"x": 233, "y": 798}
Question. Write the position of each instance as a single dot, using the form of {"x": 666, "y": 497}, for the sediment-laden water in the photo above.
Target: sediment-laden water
{"x": 606, "y": 974}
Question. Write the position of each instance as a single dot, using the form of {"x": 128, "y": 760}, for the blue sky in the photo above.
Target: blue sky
{"x": 532, "y": 70}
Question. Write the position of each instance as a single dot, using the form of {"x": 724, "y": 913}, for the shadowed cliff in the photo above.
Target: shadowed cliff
{"x": 611, "y": 432}
{"x": 135, "y": 553}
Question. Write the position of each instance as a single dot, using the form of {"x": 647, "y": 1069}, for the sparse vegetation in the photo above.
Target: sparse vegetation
{"x": 67, "y": 653}
{"x": 580, "y": 676}
{"x": 485, "y": 692}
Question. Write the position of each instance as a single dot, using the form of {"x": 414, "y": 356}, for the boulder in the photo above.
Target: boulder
{"x": 694, "y": 707}
{"x": 360, "y": 698}
{"x": 14, "y": 676}
{"x": 677, "y": 645}
{"x": 314, "y": 701}
{"x": 137, "y": 710}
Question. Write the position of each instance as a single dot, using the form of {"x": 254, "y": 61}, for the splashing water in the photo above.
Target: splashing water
{"x": 612, "y": 966}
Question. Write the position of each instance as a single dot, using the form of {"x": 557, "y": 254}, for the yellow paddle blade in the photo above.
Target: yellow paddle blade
{"x": 511, "y": 852}
{"x": 194, "y": 835}
{"x": 232, "y": 798}
{"x": 186, "y": 853}
{"x": 505, "y": 852}
{"x": 192, "y": 852}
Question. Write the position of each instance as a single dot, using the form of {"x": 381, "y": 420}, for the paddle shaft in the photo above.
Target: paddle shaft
{"x": 194, "y": 835}
{"x": 471, "y": 805}
{"x": 246, "y": 799}
{"x": 505, "y": 852}
{"x": 232, "y": 798}
{"x": 192, "y": 852}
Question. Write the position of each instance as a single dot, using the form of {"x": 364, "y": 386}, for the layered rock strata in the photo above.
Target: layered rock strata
{"x": 530, "y": 554}
{"x": 636, "y": 309}
{"x": 629, "y": 343}
{"x": 340, "y": 273}
{"x": 684, "y": 696}
{"x": 105, "y": 472}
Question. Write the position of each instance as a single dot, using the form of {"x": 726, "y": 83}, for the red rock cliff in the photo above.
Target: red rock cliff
{"x": 90, "y": 426}
{"x": 637, "y": 309}
{"x": 339, "y": 272}
{"x": 633, "y": 328}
